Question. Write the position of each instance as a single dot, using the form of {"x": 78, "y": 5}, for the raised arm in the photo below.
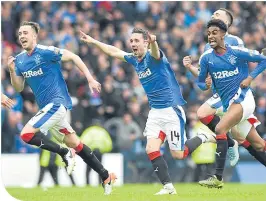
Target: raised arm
{"x": 187, "y": 62}
{"x": 17, "y": 81}
{"x": 155, "y": 52}
{"x": 107, "y": 49}
{"x": 70, "y": 56}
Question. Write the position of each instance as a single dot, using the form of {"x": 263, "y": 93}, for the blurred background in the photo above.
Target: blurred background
{"x": 121, "y": 110}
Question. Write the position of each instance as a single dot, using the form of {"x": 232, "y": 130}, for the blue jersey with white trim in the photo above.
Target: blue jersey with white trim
{"x": 42, "y": 72}
{"x": 229, "y": 70}
{"x": 158, "y": 80}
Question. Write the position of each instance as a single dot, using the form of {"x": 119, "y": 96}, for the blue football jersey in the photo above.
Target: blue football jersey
{"x": 158, "y": 80}
{"x": 42, "y": 72}
{"x": 229, "y": 70}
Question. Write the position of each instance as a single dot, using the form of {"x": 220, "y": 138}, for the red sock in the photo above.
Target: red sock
{"x": 79, "y": 147}
{"x": 186, "y": 152}
{"x": 221, "y": 137}
{"x": 245, "y": 144}
{"x": 207, "y": 120}
{"x": 26, "y": 137}
{"x": 154, "y": 155}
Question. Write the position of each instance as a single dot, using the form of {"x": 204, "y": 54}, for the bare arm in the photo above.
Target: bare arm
{"x": 6, "y": 102}
{"x": 155, "y": 52}
{"x": 16, "y": 81}
{"x": 107, "y": 49}
{"x": 69, "y": 56}
{"x": 187, "y": 62}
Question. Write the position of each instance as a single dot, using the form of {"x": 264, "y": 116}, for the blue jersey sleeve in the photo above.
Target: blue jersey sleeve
{"x": 253, "y": 56}
{"x": 18, "y": 73}
{"x": 203, "y": 66}
{"x": 153, "y": 59}
{"x": 129, "y": 58}
{"x": 54, "y": 54}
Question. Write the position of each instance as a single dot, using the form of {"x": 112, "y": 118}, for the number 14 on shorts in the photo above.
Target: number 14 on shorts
{"x": 175, "y": 134}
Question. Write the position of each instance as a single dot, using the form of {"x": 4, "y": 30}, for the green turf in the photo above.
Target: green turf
{"x": 144, "y": 192}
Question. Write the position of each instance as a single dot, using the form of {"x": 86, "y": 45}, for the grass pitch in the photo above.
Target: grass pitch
{"x": 143, "y": 192}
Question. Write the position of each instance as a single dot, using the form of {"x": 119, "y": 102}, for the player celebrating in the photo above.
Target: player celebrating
{"x": 228, "y": 68}
{"x": 40, "y": 67}
{"x": 210, "y": 111}
{"x": 166, "y": 118}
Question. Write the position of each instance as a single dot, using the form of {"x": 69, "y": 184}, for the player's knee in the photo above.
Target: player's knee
{"x": 150, "y": 149}
{"x": 200, "y": 114}
{"x": 177, "y": 154}
{"x": 71, "y": 140}
{"x": 219, "y": 129}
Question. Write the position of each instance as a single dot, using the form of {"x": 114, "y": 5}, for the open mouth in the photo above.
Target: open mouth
{"x": 24, "y": 42}
{"x": 212, "y": 42}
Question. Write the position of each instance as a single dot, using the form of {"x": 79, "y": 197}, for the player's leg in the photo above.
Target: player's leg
{"x": 31, "y": 135}
{"x": 159, "y": 165}
{"x": 260, "y": 156}
{"x": 229, "y": 120}
{"x": 179, "y": 146}
{"x": 209, "y": 114}
{"x": 63, "y": 132}
{"x": 247, "y": 130}
{"x": 155, "y": 138}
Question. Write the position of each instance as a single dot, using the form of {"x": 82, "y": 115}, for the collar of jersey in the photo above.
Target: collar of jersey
{"x": 226, "y": 46}
{"x": 32, "y": 51}
{"x": 140, "y": 60}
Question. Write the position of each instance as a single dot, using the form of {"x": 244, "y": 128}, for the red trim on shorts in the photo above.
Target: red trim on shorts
{"x": 207, "y": 120}
{"x": 221, "y": 137}
{"x": 64, "y": 131}
{"x": 79, "y": 147}
{"x": 186, "y": 152}
{"x": 162, "y": 135}
{"x": 252, "y": 121}
{"x": 26, "y": 137}
{"x": 154, "y": 155}
{"x": 245, "y": 144}
{"x": 265, "y": 147}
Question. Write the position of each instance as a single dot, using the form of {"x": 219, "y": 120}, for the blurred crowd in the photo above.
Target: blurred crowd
{"x": 122, "y": 106}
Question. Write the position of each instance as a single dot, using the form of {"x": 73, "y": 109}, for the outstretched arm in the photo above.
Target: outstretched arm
{"x": 252, "y": 56}
{"x": 93, "y": 84}
{"x": 6, "y": 102}
{"x": 107, "y": 49}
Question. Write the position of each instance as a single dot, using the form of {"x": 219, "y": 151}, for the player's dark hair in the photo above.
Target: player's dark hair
{"x": 141, "y": 31}
{"x": 229, "y": 14}
{"x": 217, "y": 23}
{"x": 35, "y": 26}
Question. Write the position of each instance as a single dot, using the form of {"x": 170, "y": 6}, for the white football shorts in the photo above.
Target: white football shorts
{"x": 246, "y": 99}
{"x": 52, "y": 118}
{"x": 216, "y": 103}
{"x": 167, "y": 124}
